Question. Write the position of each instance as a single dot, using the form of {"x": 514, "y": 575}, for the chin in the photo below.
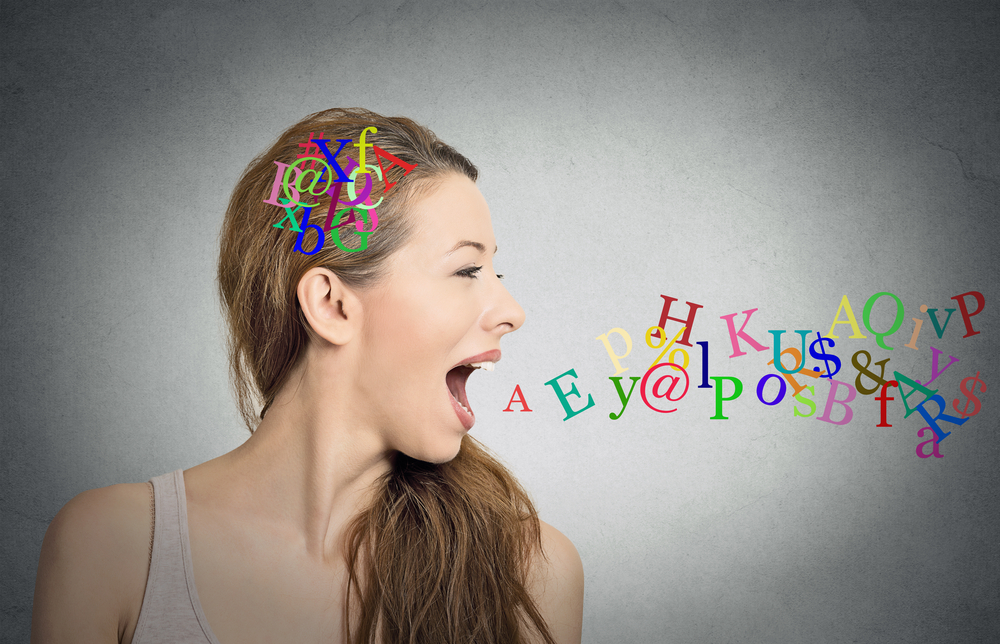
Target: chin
{"x": 443, "y": 453}
{"x": 440, "y": 451}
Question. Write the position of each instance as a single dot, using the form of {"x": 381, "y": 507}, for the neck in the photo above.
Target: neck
{"x": 311, "y": 463}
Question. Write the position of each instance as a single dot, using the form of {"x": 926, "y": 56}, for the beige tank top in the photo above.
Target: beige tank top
{"x": 171, "y": 612}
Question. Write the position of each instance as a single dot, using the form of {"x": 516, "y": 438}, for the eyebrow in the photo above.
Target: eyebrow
{"x": 466, "y": 242}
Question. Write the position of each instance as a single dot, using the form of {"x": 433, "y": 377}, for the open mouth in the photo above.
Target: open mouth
{"x": 456, "y": 379}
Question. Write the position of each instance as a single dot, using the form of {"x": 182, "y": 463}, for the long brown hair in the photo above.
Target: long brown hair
{"x": 443, "y": 552}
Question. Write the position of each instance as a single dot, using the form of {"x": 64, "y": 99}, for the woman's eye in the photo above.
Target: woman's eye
{"x": 469, "y": 272}
{"x": 499, "y": 276}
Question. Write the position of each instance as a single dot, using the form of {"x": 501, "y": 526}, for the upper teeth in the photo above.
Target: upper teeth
{"x": 481, "y": 365}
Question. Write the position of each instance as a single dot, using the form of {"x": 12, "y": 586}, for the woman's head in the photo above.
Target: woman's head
{"x": 442, "y": 552}
{"x": 418, "y": 301}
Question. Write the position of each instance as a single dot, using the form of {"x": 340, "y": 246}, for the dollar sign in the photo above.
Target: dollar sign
{"x": 824, "y": 356}
{"x": 970, "y": 392}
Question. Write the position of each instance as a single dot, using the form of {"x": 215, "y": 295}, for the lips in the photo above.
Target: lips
{"x": 456, "y": 378}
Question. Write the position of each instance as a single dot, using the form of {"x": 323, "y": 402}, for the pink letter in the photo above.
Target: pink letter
{"x": 735, "y": 335}
{"x": 832, "y": 398}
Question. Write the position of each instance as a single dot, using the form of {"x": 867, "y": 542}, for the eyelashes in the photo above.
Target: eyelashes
{"x": 472, "y": 272}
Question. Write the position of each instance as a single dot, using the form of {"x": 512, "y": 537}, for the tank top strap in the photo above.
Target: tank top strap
{"x": 171, "y": 613}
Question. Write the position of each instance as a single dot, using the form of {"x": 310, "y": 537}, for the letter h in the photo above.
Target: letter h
{"x": 689, "y": 322}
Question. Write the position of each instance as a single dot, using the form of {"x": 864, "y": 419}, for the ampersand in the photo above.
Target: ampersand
{"x": 879, "y": 380}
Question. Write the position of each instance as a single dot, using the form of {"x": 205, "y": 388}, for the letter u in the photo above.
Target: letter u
{"x": 777, "y": 351}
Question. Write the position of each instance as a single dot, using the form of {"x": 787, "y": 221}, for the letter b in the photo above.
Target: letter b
{"x": 305, "y": 226}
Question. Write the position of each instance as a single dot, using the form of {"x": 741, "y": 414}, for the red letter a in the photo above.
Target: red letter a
{"x": 518, "y": 397}
{"x": 382, "y": 154}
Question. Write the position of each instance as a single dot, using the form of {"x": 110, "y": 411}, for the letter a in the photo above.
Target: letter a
{"x": 934, "y": 446}
{"x": 916, "y": 386}
{"x": 382, "y": 154}
{"x": 846, "y": 306}
{"x": 517, "y": 397}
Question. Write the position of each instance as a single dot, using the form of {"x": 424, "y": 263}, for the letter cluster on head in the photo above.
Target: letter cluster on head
{"x": 317, "y": 183}
{"x": 666, "y": 381}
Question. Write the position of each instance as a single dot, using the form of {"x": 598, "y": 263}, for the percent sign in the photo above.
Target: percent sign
{"x": 663, "y": 338}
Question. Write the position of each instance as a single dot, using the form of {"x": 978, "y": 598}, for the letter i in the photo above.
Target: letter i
{"x": 704, "y": 366}
{"x": 912, "y": 344}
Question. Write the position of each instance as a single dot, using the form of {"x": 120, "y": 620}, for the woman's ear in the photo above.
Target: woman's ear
{"x": 332, "y": 310}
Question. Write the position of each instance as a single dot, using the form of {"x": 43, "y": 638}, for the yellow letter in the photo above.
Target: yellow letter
{"x": 845, "y": 305}
{"x": 361, "y": 145}
{"x": 611, "y": 352}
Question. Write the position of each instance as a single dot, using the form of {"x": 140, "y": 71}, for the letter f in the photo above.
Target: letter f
{"x": 361, "y": 145}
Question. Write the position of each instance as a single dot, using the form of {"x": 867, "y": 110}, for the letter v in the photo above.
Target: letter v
{"x": 934, "y": 365}
{"x": 937, "y": 328}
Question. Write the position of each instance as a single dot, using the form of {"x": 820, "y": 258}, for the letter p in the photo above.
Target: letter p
{"x": 611, "y": 352}
{"x": 966, "y": 316}
{"x": 719, "y": 398}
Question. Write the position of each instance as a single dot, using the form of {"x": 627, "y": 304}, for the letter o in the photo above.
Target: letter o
{"x": 781, "y": 389}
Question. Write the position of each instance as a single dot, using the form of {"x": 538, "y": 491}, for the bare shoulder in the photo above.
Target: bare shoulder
{"x": 93, "y": 565}
{"x": 557, "y": 585}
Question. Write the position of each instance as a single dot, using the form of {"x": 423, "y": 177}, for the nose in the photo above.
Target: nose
{"x": 504, "y": 314}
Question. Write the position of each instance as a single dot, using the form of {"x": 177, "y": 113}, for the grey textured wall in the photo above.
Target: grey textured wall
{"x": 770, "y": 155}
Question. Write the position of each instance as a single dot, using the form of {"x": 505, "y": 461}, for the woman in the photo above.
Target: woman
{"x": 358, "y": 510}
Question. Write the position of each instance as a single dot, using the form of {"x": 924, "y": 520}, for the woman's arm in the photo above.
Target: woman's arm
{"x": 94, "y": 561}
{"x": 557, "y": 586}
